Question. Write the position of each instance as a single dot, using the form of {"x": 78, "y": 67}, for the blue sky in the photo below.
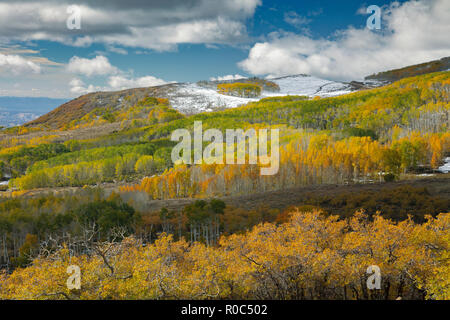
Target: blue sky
{"x": 141, "y": 43}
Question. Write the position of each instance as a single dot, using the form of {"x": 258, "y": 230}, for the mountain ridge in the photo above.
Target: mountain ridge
{"x": 187, "y": 98}
{"x": 191, "y": 98}
{"x": 442, "y": 64}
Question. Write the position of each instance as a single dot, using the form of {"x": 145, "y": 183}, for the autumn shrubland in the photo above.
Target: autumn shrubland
{"x": 209, "y": 250}
{"x": 308, "y": 257}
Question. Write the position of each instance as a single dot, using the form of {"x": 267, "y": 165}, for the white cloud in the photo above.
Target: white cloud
{"x": 76, "y": 83}
{"x": 415, "y": 31}
{"x": 16, "y": 65}
{"x": 227, "y": 77}
{"x": 97, "y": 66}
{"x": 293, "y": 18}
{"x": 117, "y": 50}
{"x": 166, "y": 37}
{"x": 121, "y": 82}
{"x": 117, "y": 80}
{"x": 156, "y": 24}
{"x": 78, "y": 87}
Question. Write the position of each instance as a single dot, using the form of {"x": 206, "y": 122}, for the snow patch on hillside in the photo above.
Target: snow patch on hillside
{"x": 193, "y": 98}
{"x": 304, "y": 85}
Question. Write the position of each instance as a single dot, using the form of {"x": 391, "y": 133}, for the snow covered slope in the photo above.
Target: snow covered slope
{"x": 309, "y": 86}
{"x": 193, "y": 98}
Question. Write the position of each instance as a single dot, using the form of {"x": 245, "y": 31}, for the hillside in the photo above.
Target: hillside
{"x": 79, "y": 107}
{"x": 193, "y": 98}
{"x": 410, "y": 71}
{"x": 344, "y": 139}
{"x": 187, "y": 98}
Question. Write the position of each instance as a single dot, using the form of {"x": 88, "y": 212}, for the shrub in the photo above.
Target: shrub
{"x": 389, "y": 177}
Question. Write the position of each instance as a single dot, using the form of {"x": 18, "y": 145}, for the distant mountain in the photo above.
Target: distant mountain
{"x": 19, "y": 110}
{"x": 188, "y": 98}
{"x": 411, "y": 71}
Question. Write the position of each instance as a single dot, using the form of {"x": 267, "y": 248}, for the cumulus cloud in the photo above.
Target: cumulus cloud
{"x": 16, "y": 65}
{"x": 414, "y": 32}
{"x": 227, "y": 77}
{"x": 78, "y": 87}
{"x": 97, "y": 66}
{"x": 156, "y": 24}
{"x": 116, "y": 80}
{"x": 121, "y": 82}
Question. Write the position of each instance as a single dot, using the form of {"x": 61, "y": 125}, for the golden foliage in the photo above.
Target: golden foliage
{"x": 309, "y": 257}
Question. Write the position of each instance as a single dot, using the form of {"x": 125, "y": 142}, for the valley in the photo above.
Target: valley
{"x": 225, "y": 158}
{"x": 351, "y": 155}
